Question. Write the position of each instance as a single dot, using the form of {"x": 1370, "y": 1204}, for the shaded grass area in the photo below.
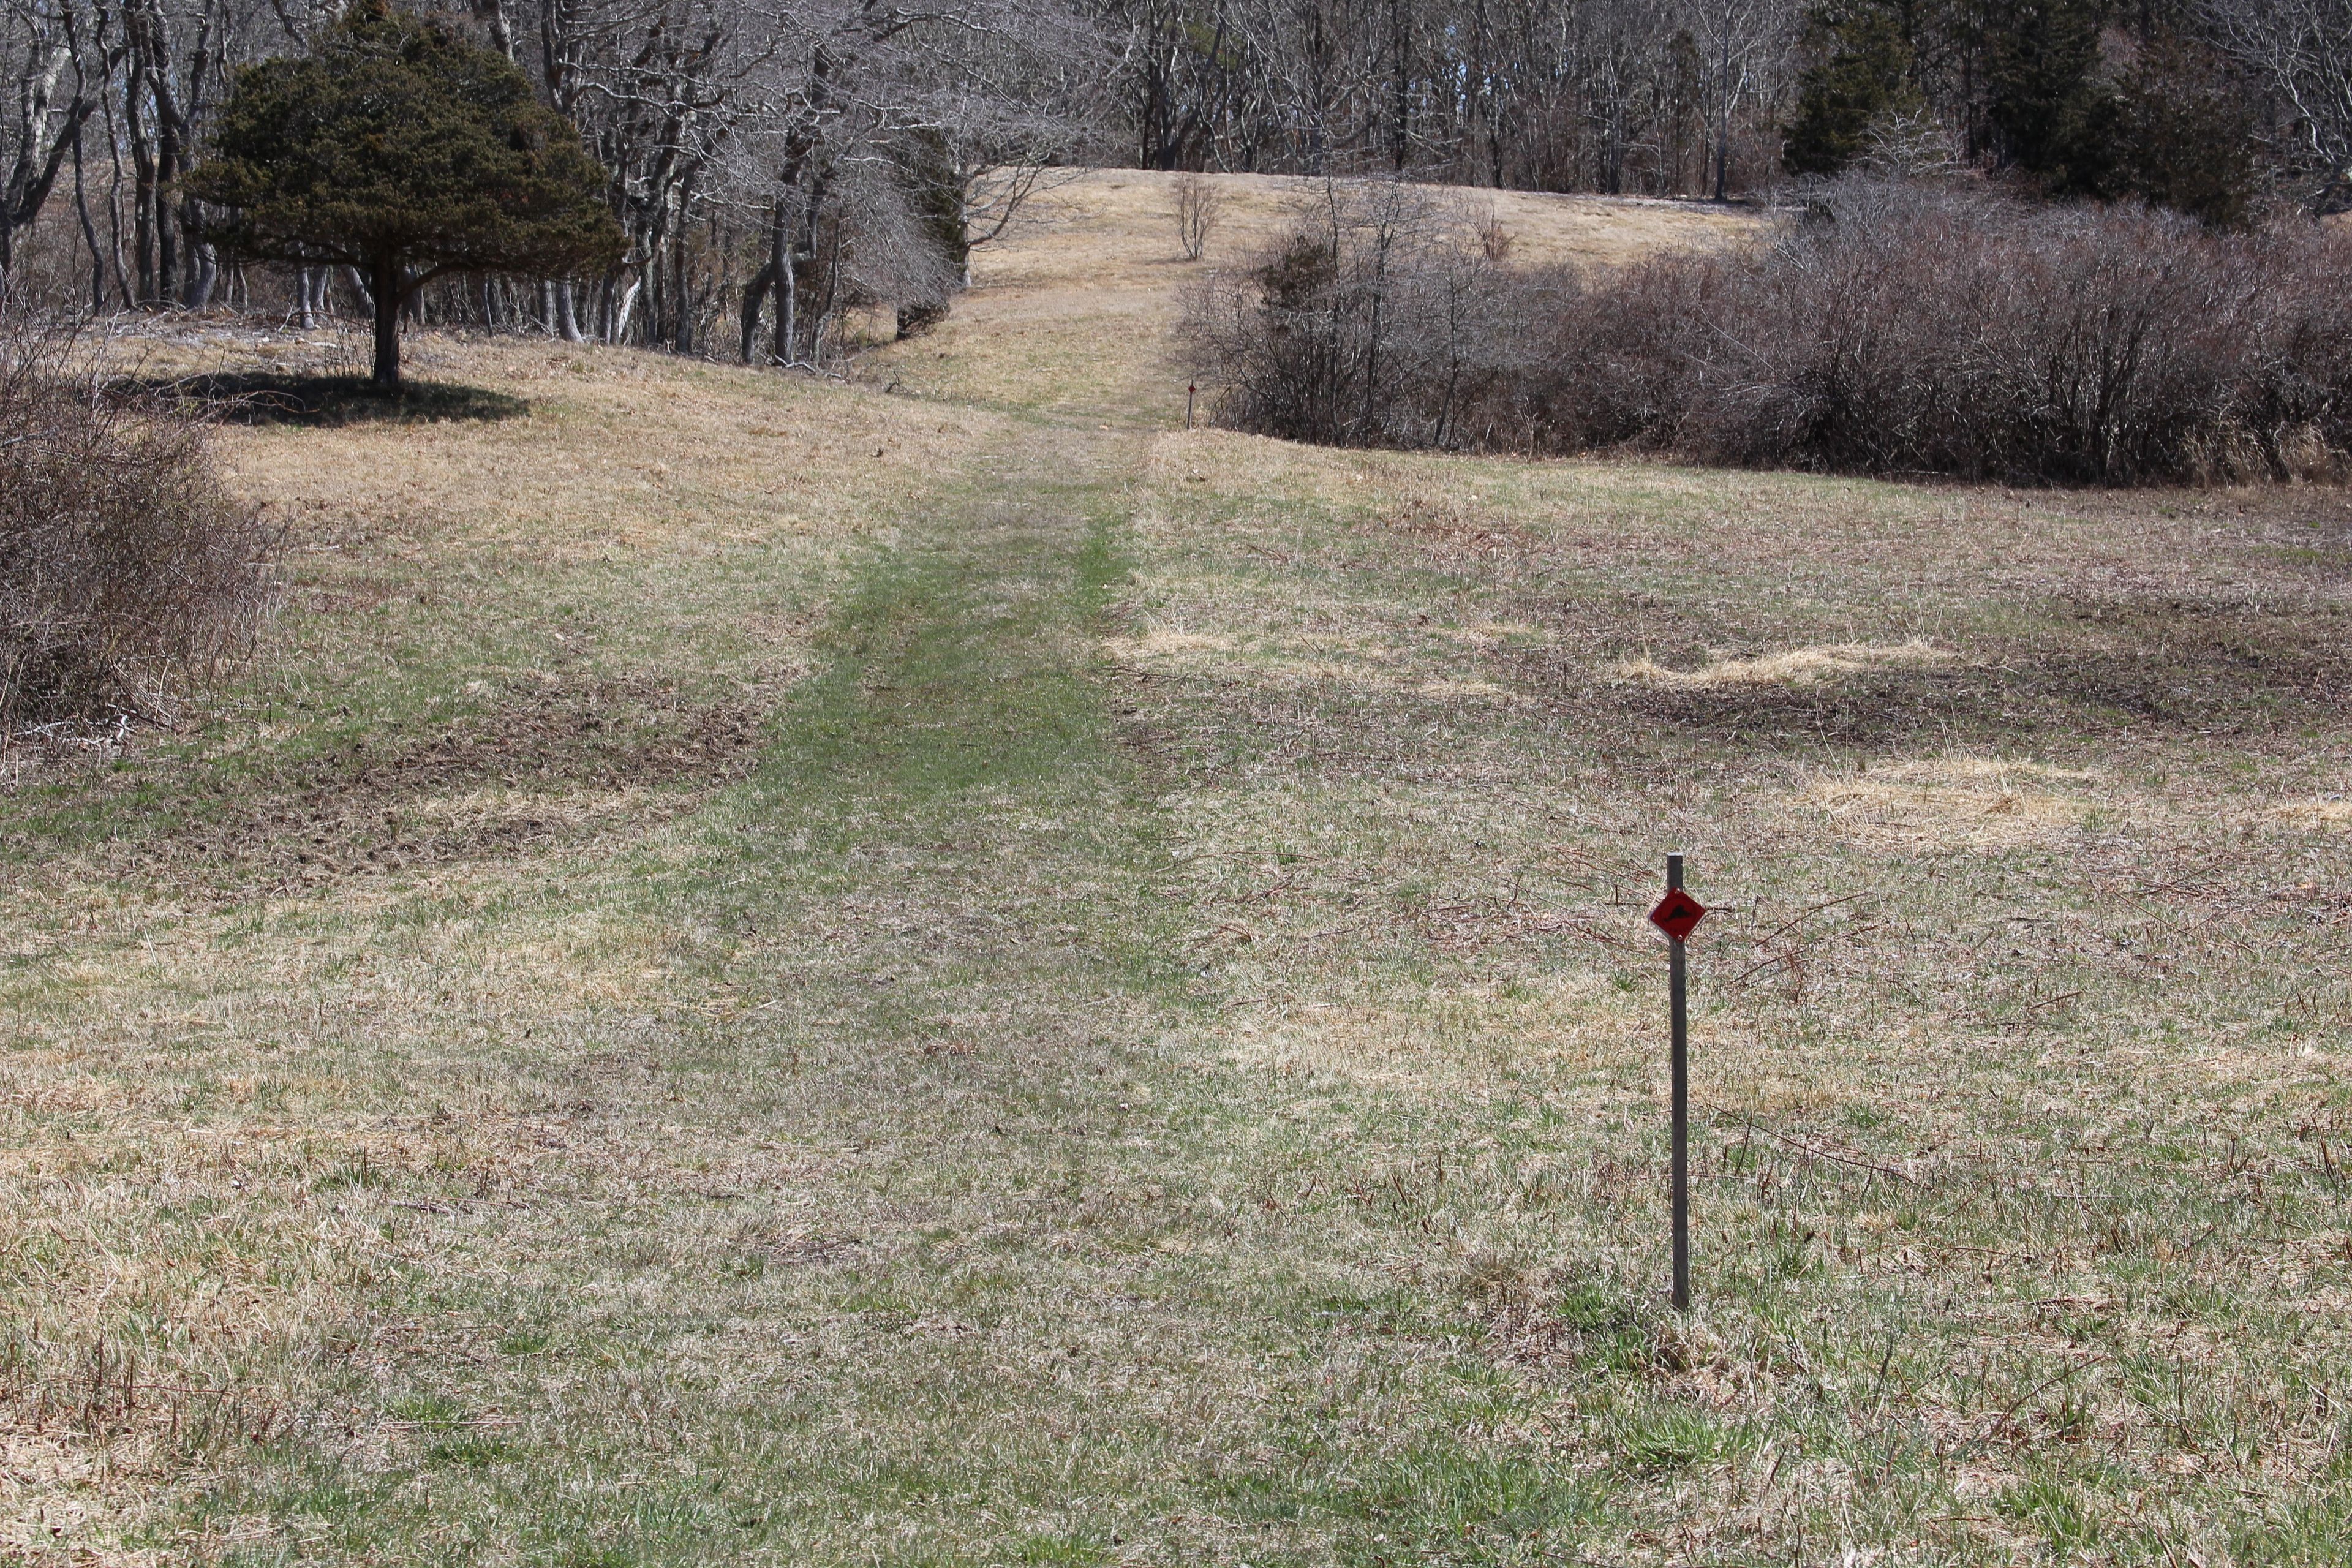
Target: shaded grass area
{"x": 2041, "y": 668}
{"x": 532, "y": 766}
{"x": 260, "y": 397}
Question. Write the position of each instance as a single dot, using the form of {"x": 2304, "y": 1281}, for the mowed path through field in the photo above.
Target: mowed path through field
{"x": 940, "y": 970}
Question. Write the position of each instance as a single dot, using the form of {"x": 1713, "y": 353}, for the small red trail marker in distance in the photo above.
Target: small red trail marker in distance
{"x": 1677, "y": 914}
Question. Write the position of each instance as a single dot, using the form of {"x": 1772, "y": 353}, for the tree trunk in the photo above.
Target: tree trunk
{"x": 387, "y": 326}
{"x": 1723, "y": 114}
{"x": 143, "y": 167}
{"x": 168, "y": 279}
{"x": 88, "y": 234}
{"x": 493, "y": 15}
{"x": 787, "y": 303}
{"x": 755, "y": 294}
{"x": 204, "y": 275}
{"x": 774, "y": 274}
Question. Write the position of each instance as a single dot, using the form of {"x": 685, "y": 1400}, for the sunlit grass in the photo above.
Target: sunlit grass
{"x": 1076, "y": 993}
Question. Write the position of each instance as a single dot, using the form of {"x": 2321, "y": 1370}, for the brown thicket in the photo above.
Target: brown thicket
{"x": 1893, "y": 329}
{"x": 126, "y": 568}
{"x": 1379, "y": 320}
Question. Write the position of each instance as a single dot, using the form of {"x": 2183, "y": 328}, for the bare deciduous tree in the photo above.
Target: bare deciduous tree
{"x": 1197, "y": 202}
{"x": 1744, "y": 45}
{"x": 49, "y": 56}
{"x": 2301, "y": 50}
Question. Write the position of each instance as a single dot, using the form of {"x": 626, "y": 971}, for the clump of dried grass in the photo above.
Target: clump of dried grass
{"x": 1795, "y": 667}
{"x": 126, "y": 567}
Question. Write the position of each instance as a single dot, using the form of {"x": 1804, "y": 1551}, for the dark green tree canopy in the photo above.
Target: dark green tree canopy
{"x": 401, "y": 148}
{"x": 1860, "y": 76}
{"x": 2074, "y": 98}
{"x": 2052, "y": 114}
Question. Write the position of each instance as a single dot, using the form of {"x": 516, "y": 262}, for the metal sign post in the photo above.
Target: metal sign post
{"x": 1678, "y": 915}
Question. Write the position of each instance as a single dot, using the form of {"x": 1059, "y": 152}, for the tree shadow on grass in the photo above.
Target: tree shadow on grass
{"x": 260, "y": 397}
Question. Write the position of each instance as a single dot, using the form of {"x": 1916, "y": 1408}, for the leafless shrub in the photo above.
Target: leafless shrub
{"x": 1900, "y": 329}
{"x": 1494, "y": 241}
{"x": 126, "y": 567}
{"x": 1908, "y": 329}
{"x": 1910, "y": 147}
{"x": 886, "y": 250}
{"x": 1377, "y": 323}
{"x": 1198, "y": 201}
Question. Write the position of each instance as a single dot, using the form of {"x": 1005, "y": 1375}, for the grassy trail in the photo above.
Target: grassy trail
{"x": 960, "y": 975}
{"x": 918, "y": 1230}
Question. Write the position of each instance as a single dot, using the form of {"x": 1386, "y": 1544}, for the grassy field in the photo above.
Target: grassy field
{"x": 943, "y": 971}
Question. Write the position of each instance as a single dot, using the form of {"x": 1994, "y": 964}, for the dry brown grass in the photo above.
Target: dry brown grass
{"x": 1096, "y": 266}
{"x": 1083, "y": 998}
{"x": 2030, "y": 986}
{"x": 511, "y": 652}
{"x": 1863, "y": 1043}
{"x": 1983, "y": 803}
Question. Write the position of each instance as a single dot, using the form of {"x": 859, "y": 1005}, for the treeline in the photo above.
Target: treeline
{"x": 2212, "y": 107}
{"x": 2207, "y": 107}
{"x": 784, "y": 171}
{"x": 777, "y": 170}
{"x": 1659, "y": 97}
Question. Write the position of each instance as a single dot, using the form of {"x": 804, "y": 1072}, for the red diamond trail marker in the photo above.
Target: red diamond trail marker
{"x": 1677, "y": 914}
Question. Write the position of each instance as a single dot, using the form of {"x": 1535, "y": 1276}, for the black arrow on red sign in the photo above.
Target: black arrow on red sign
{"x": 1677, "y": 914}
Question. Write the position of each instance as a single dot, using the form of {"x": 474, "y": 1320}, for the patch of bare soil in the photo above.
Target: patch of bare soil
{"x": 2108, "y": 664}
{"x": 542, "y": 763}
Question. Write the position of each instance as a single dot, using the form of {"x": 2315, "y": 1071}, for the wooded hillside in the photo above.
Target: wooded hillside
{"x": 780, "y": 170}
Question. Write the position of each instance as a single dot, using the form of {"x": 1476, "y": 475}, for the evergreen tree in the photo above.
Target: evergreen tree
{"x": 2188, "y": 132}
{"x": 1860, "y": 75}
{"x": 2053, "y": 112}
{"x": 400, "y": 150}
